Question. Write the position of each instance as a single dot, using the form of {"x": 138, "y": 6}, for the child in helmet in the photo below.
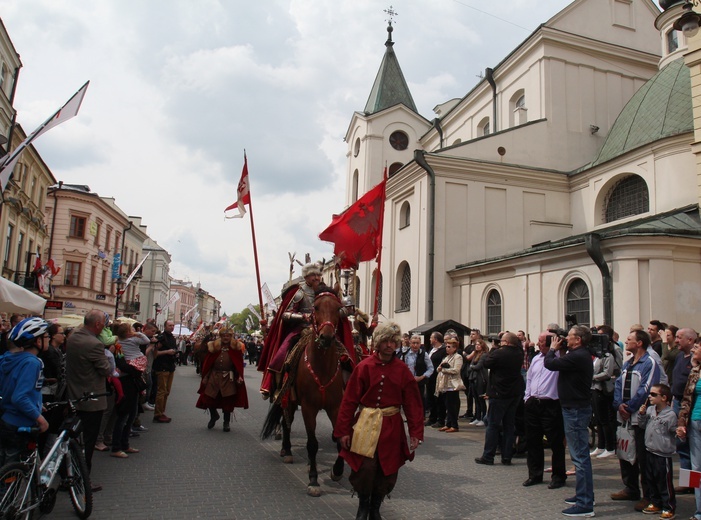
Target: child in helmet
{"x": 21, "y": 379}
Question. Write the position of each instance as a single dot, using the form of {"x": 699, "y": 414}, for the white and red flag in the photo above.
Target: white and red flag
{"x": 66, "y": 112}
{"x": 243, "y": 192}
{"x": 689, "y": 478}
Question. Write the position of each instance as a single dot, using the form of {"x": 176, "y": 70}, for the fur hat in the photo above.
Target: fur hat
{"x": 226, "y": 329}
{"x": 389, "y": 331}
{"x": 362, "y": 317}
{"x": 312, "y": 268}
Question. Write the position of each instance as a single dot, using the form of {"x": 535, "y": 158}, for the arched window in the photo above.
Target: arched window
{"x": 628, "y": 197}
{"x": 399, "y": 140}
{"x": 403, "y": 287}
{"x": 356, "y": 147}
{"x": 493, "y": 312}
{"x": 355, "y": 290}
{"x": 405, "y": 215}
{"x": 354, "y": 186}
{"x": 393, "y": 168}
{"x": 372, "y": 294}
{"x": 672, "y": 41}
{"x": 518, "y": 113}
{"x": 457, "y": 141}
{"x": 483, "y": 127}
{"x": 578, "y": 301}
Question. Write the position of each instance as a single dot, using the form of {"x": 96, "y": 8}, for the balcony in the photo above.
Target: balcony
{"x": 26, "y": 281}
{"x": 132, "y": 307}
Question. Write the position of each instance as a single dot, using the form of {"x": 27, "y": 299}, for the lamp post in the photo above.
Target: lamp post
{"x": 182, "y": 315}
{"x": 157, "y": 308}
{"x": 120, "y": 284}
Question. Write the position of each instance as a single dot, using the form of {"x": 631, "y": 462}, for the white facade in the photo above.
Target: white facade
{"x": 510, "y": 213}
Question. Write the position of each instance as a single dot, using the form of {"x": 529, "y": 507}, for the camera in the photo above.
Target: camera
{"x": 445, "y": 365}
{"x": 598, "y": 345}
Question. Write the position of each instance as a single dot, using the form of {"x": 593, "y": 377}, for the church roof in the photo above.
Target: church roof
{"x": 661, "y": 108}
{"x": 680, "y": 222}
{"x": 390, "y": 87}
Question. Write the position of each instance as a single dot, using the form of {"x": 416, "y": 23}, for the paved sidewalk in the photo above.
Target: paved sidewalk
{"x": 188, "y": 472}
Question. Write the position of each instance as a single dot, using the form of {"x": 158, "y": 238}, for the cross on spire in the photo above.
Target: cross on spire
{"x": 391, "y": 13}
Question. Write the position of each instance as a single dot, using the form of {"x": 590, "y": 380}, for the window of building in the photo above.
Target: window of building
{"x": 117, "y": 236}
{"x": 97, "y": 227}
{"x": 356, "y": 291}
{"x": 8, "y": 245}
{"x": 103, "y": 281}
{"x": 108, "y": 237}
{"x": 32, "y": 188}
{"x": 356, "y": 147}
{"x": 628, "y": 197}
{"x": 394, "y": 168}
{"x": 578, "y": 301}
{"x": 399, "y": 140}
{"x": 457, "y": 141}
{"x": 494, "y": 312}
{"x": 93, "y": 271}
{"x": 518, "y": 113}
{"x": 483, "y": 127}
{"x": 73, "y": 273}
{"x": 77, "y": 229}
{"x": 403, "y": 287}
{"x": 20, "y": 245}
{"x": 3, "y": 73}
{"x": 405, "y": 215}
{"x": 672, "y": 41}
{"x": 354, "y": 186}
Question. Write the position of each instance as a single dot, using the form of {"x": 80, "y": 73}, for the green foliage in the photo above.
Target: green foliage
{"x": 238, "y": 321}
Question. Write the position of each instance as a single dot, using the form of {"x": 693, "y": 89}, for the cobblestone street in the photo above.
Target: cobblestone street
{"x": 186, "y": 471}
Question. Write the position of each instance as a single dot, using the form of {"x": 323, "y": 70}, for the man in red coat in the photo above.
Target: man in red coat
{"x": 222, "y": 383}
{"x": 369, "y": 425}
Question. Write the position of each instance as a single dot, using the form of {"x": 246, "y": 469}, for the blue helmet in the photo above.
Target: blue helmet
{"x": 27, "y": 330}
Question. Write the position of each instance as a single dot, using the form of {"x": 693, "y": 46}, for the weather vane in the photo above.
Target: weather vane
{"x": 392, "y": 13}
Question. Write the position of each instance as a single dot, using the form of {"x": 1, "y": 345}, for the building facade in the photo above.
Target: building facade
{"x": 154, "y": 287}
{"x": 561, "y": 183}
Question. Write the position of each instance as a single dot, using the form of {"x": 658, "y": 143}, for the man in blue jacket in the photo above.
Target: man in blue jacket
{"x": 638, "y": 375}
{"x": 21, "y": 379}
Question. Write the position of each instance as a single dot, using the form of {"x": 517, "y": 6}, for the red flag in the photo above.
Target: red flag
{"x": 37, "y": 265}
{"x": 356, "y": 233}
{"x": 54, "y": 270}
{"x": 244, "y": 195}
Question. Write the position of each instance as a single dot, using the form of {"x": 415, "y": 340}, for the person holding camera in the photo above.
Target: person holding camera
{"x": 574, "y": 389}
{"x": 504, "y": 389}
{"x": 639, "y": 374}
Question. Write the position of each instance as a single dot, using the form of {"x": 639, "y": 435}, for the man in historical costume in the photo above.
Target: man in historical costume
{"x": 222, "y": 383}
{"x": 369, "y": 425}
{"x": 287, "y": 326}
{"x": 362, "y": 329}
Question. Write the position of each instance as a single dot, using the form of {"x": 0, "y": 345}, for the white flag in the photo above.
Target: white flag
{"x": 269, "y": 297}
{"x": 254, "y": 311}
{"x": 172, "y": 300}
{"x": 133, "y": 273}
{"x": 66, "y": 112}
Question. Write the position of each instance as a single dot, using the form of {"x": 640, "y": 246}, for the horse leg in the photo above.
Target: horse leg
{"x": 309, "y": 415}
{"x": 338, "y": 465}
{"x": 286, "y": 423}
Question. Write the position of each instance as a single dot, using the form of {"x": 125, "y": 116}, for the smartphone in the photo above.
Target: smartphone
{"x": 548, "y": 340}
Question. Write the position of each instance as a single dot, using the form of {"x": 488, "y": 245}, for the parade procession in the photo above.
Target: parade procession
{"x": 470, "y": 288}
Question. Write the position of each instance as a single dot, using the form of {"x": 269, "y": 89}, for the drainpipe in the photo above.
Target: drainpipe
{"x": 593, "y": 244}
{"x": 439, "y": 129}
{"x": 53, "y": 219}
{"x": 489, "y": 73}
{"x": 420, "y": 158}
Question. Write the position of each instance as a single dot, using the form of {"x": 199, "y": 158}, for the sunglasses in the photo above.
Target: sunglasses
{"x": 654, "y": 394}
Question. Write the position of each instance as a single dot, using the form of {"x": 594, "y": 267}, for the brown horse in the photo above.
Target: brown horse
{"x": 318, "y": 385}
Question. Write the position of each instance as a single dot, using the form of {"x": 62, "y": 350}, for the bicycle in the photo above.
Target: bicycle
{"x": 32, "y": 484}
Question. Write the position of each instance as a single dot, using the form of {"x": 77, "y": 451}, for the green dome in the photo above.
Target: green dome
{"x": 661, "y": 108}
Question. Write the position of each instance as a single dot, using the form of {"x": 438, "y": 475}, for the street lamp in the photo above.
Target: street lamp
{"x": 120, "y": 284}
{"x": 689, "y": 22}
{"x": 157, "y": 308}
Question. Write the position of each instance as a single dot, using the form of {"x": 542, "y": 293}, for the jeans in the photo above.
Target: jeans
{"x": 165, "y": 381}
{"x": 501, "y": 411}
{"x": 452, "y": 408}
{"x": 693, "y": 433}
{"x": 682, "y": 445}
{"x": 576, "y": 422}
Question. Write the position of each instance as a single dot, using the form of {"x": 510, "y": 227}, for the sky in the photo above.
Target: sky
{"x": 179, "y": 88}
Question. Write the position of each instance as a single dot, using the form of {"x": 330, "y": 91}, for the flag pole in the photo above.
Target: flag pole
{"x": 378, "y": 278}
{"x": 255, "y": 248}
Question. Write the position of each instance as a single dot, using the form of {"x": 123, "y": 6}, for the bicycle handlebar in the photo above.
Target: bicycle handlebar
{"x": 72, "y": 402}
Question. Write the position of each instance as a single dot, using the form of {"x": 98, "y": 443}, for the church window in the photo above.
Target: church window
{"x": 374, "y": 289}
{"x": 628, "y": 197}
{"x": 672, "y": 41}
{"x": 578, "y": 301}
{"x": 399, "y": 140}
{"x": 354, "y": 186}
{"x": 493, "y": 312}
{"x": 405, "y": 215}
{"x": 404, "y": 287}
{"x": 394, "y": 168}
{"x": 483, "y": 128}
{"x": 356, "y": 147}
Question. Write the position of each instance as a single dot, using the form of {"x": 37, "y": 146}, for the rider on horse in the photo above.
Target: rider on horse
{"x": 287, "y": 326}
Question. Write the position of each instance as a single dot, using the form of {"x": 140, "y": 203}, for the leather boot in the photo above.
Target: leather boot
{"x": 227, "y": 420}
{"x": 363, "y": 507}
{"x": 375, "y": 503}
{"x": 214, "y": 417}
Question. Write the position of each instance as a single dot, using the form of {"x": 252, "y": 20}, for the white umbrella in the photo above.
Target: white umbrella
{"x": 70, "y": 320}
{"x": 16, "y": 299}
{"x": 181, "y": 330}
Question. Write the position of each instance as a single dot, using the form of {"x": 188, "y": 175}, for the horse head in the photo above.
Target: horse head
{"x": 327, "y": 305}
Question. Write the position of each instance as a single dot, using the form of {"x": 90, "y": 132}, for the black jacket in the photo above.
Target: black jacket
{"x": 505, "y": 380}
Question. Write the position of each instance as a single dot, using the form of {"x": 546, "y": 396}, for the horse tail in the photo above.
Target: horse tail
{"x": 272, "y": 420}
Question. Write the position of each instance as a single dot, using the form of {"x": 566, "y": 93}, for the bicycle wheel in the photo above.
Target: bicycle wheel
{"x": 79, "y": 480}
{"x": 18, "y": 492}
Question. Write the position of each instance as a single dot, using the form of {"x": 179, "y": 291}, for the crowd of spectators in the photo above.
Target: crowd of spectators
{"x": 567, "y": 389}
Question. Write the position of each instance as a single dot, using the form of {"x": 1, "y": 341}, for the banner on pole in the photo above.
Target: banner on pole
{"x": 269, "y": 297}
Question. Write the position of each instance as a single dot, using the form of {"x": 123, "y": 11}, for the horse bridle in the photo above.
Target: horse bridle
{"x": 324, "y": 324}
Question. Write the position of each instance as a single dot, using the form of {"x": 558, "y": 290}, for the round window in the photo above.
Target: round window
{"x": 399, "y": 140}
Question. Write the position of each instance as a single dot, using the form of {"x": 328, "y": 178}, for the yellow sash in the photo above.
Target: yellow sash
{"x": 367, "y": 429}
